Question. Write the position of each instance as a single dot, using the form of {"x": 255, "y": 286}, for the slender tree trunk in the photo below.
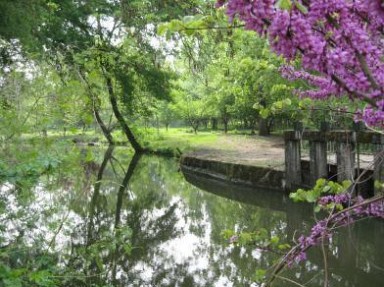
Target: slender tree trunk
{"x": 206, "y": 124}
{"x": 95, "y": 196}
{"x": 225, "y": 122}
{"x": 94, "y": 209}
{"x": 194, "y": 124}
{"x": 119, "y": 203}
{"x": 195, "y": 127}
{"x": 106, "y": 132}
{"x": 112, "y": 98}
{"x": 214, "y": 123}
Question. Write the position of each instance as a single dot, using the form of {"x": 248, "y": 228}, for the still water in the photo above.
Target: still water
{"x": 110, "y": 219}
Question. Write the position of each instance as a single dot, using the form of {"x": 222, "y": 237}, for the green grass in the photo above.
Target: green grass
{"x": 174, "y": 139}
{"x": 58, "y": 136}
{"x": 169, "y": 142}
{"x": 179, "y": 139}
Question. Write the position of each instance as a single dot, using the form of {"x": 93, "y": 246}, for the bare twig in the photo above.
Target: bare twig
{"x": 325, "y": 263}
{"x": 289, "y": 280}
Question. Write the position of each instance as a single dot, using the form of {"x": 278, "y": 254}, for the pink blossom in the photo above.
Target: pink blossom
{"x": 340, "y": 44}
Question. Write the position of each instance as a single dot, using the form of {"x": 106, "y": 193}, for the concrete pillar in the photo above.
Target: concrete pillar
{"x": 345, "y": 155}
{"x": 293, "y": 161}
{"x": 318, "y": 160}
{"x": 378, "y": 173}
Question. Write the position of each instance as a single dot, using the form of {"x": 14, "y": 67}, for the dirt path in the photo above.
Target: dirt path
{"x": 258, "y": 151}
{"x": 246, "y": 149}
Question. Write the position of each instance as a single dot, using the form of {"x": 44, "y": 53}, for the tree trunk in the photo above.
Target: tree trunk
{"x": 214, "y": 123}
{"x": 195, "y": 127}
{"x": 112, "y": 98}
{"x": 264, "y": 127}
{"x": 205, "y": 122}
{"x": 119, "y": 203}
{"x": 106, "y": 132}
{"x": 95, "y": 196}
{"x": 225, "y": 122}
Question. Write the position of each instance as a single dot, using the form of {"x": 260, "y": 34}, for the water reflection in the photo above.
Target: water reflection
{"x": 109, "y": 218}
{"x": 354, "y": 257}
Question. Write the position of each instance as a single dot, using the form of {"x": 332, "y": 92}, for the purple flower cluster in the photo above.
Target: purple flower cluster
{"x": 255, "y": 14}
{"x": 322, "y": 231}
{"x": 319, "y": 233}
{"x": 279, "y": 35}
{"x": 375, "y": 209}
{"x": 341, "y": 198}
{"x": 340, "y": 43}
{"x": 373, "y": 116}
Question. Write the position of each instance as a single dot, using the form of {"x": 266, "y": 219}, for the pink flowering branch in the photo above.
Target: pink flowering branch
{"x": 357, "y": 94}
{"x": 340, "y": 41}
{"x": 322, "y": 230}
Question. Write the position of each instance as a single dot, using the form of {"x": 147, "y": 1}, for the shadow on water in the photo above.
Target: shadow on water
{"x": 354, "y": 258}
{"x": 110, "y": 218}
{"x": 270, "y": 199}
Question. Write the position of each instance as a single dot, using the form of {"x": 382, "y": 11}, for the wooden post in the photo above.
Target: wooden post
{"x": 345, "y": 154}
{"x": 318, "y": 160}
{"x": 292, "y": 160}
{"x": 378, "y": 173}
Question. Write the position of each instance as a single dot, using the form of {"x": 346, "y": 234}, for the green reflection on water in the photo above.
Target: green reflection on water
{"x": 108, "y": 218}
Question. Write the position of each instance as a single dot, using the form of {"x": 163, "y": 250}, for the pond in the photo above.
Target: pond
{"x": 107, "y": 218}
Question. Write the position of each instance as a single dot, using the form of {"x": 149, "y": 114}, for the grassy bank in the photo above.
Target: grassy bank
{"x": 169, "y": 142}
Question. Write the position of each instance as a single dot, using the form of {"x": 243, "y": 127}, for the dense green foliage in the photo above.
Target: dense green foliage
{"x": 118, "y": 72}
{"x": 127, "y": 65}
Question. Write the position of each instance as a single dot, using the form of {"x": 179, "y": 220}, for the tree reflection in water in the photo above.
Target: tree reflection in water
{"x": 142, "y": 224}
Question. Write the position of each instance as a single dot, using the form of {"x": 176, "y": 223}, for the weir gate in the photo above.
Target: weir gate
{"x": 337, "y": 155}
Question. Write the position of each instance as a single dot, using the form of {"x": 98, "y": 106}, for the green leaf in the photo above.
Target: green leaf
{"x": 275, "y": 240}
{"x": 260, "y": 275}
{"x": 312, "y": 196}
{"x": 326, "y": 189}
{"x": 279, "y": 105}
{"x": 228, "y": 233}
{"x": 287, "y": 102}
{"x": 257, "y": 106}
{"x": 176, "y": 25}
{"x": 245, "y": 238}
{"x": 295, "y": 196}
{"x": 301, "y": 7}
{"x": 285, "y": 4}
{"x": 284, "y": 246}
{"x": 264, "y": 113}
{"x": 42, "y": 278}
{"x": 346, "y": 184}
{"x": 162, "y": 29}
{"x": 127, "y": 248}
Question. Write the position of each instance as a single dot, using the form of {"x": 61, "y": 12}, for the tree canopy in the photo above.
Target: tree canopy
{"x": 339, "y": 44}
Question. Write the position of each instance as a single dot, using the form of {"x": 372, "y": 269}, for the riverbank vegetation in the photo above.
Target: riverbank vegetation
{"x": 167, "y": 77}
{"x": 105, "y": 69}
